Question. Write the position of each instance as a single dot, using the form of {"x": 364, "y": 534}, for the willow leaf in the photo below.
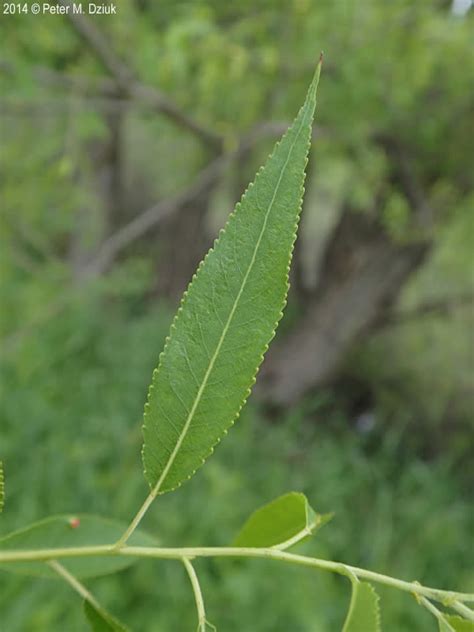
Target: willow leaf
{"x": 227, "y": 317}
{"x": 71, "y": 531}
{"x": 364, "y": 612}
{"x": 281, "y": 523}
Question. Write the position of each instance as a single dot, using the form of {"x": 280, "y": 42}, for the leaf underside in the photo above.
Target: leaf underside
{"x": 71, "y": 531}
{"x": 364, "y": 612}
{"x": 102, "y": 621}
{"x": 287, "y": 519}
{"x": 227, "y": 317}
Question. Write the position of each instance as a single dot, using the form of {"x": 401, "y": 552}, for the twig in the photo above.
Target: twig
{"x": 88, "y": 84}
{"x": 94, "y": 38}
{"x": 149, "y": 218}
{"x": 53, "y": 106}
{"x": 124, "y": 236}
{"x": 434, "y": 610}
{"x": 415, "y": 588}
{"x": 75, "y": 584}
{"x": 128, "y": 85}
{"x": 197, "y": 594}
{"x": 463, "y": 610}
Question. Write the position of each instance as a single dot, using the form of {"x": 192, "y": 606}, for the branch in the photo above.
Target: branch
{"x": 124, "y": 236}
{"x": 434, "y": 610}
{"x": 152, "y": 216}
{"x": 442, "y": 596}
{"x": 202, "y": 621}
{"x": 163, "y": 104}
{"x": 53, "y": 107}
{"x": 75, "y": 584}
{"x": 92, "y": 36}
{"x": 128, "y": 85}
{"x": 89, "y": 84}
{"x": 463, "y": 610}
{"x": 109, "y": 622}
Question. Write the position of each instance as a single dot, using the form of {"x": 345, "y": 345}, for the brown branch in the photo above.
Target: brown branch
{"x": 85, "y": 84}
{"x": 94, "y": 38}
{"x": 128, "y": 85}
{"x": 55, "y": 106}
{"x": 142, "y": 223}
{"x": 149, "y": 218}
{"x": 163, "y": 104}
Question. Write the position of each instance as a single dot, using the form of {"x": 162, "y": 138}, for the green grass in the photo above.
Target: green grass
{"x": 71, "y": 441}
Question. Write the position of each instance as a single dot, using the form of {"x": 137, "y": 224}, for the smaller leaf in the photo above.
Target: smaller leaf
{"x": 2, "y": 488}
{"x": 102, "y": 621}
{"x": 453, "y": 623}
{"x": 71, "y": 531}
{"x": 282, "y": 523}
{"x": 364, "y": 611}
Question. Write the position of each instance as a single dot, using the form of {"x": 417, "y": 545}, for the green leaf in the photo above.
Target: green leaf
{"x": 71, "y": 531}
{"x": 227, "y": 317}
{"x": 364, "y": 612}
{"x": 283, "y": 522}
{"x": 453, "y": 623}
{"x": 100, "y": 620}
{"x": 2, "y": 488}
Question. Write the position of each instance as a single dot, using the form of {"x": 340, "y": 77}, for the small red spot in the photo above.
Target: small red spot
{"x": 74, "y": 523}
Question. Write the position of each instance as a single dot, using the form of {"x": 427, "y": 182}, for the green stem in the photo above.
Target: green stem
{"x": 137, "y": 519}
{"x": 74, "y": 583}
{"x": 197, "y": 594}
{"x": 292, "y": 541}
{"x": 236, "y": 552}
{"x": 434, "y": 611}
{"x": 463, "y": 610}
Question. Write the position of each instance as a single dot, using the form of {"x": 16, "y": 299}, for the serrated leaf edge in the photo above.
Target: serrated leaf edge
{"x": 355, "y": 587}
{"x": 156, "y": 486}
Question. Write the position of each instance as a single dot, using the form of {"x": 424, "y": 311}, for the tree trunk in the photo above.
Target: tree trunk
{"x": 183, "y": 241}
{"x": 362, "y": 274}
{"x": 94, "y": 222}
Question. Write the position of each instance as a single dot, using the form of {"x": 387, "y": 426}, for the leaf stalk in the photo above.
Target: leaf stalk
{"x": 201, "y": 611}
{"x": 75, "y": 584}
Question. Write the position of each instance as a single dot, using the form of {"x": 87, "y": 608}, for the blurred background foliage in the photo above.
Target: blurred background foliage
{"x": 126, "y": 141}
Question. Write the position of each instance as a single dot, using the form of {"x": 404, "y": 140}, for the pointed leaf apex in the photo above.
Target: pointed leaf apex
{"x": 313, "y": 89}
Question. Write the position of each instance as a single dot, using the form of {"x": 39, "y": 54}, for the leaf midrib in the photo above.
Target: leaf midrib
{"x": 212, "y": 360}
